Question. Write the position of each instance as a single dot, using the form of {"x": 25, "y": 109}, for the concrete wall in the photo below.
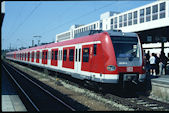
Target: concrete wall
{"x": 160, "y": 91}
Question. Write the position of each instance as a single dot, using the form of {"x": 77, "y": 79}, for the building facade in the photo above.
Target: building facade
{"x": 150, "y": 21}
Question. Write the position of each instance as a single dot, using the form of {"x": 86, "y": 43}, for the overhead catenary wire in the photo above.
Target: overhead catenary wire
{"x": 86, "y": 14}
{"x": 27, "y": 17}
{"x": 15, "y": 21}
{"x": 59, "y": 15}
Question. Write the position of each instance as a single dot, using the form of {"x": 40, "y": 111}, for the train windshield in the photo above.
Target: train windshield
{"x": 127, "y": 50}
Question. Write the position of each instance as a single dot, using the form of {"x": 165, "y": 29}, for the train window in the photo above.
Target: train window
{"x": 42, "y": 55}
{"x": 71, "y": 54}
{"x": 64, "y": 55}
{"x": 76, "y": 55}
{"x": 85, "y": 54}
{"x": 79, "y": 54}
{"x": 52, "y": 54}
{"x": 37, "y": 55}
{"x": 46, "y": 55}
{"x": 95, "y": 49}
{"x": 61, "y": 55}
{"x": 56, "y": 54}
{"x": 32, "y": 55}
{"x": 28, "y": 55}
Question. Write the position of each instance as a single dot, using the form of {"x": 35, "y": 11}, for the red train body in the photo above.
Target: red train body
{"x": 106, "y": 57}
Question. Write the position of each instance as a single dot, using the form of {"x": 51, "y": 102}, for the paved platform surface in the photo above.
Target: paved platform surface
{"x": 163, "y": 79}
{"x": 10, "y": 100}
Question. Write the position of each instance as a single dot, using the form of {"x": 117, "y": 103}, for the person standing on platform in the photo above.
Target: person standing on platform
{"x": 147, "y": 55}
{"x": 157, "y": 61}
{"x": 164, "y": 60}
{"x": 152, "y": 64}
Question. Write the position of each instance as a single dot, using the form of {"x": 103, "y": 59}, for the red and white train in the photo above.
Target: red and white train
{"x": 107, "y": 57}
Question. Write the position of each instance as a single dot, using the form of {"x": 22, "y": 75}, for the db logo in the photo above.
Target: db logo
{"x": 129, "y": 69}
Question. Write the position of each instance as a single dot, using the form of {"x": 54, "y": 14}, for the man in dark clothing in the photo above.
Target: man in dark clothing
{"x": 147, "y": 61}
{"x": 164, "y": 60}
{"x": 157, "y": 61}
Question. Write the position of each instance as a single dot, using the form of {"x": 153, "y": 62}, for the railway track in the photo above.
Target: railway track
{"x": 151, "y": 104}
{"x": 140, "y": 103}
{"x": 39, "y": 97}
{"x": 137, "y": 103}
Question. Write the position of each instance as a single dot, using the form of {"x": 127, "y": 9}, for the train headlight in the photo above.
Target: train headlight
{"x": 111, "y": 68}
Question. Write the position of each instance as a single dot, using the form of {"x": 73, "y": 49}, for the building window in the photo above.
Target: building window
{"x": 94, "y": 26}
{"x": 115, "y": 22}
{"x": 130, "y": 19}
{"x": 111, "y": 23}
{"x": 71, "y": 54}
{"x": 91, "y": 27}
{"x": 120, "y": 21}
{"x": 135, "y": 18}
{"x": 141, "y": 15}
{"x": 162, "y": 10}
{"x": 64, "y": 55}
{"x": 155, "y": 12}
{"x": 85, "y": 54}
{"x": 125, "y": 20}
{"x": 100, "y": 25}
{"x": 148, "y": 14}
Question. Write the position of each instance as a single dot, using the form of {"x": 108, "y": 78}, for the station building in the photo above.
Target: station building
{"x": 150, "y": 22}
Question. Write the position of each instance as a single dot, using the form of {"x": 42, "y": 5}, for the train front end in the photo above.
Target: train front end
{"x": 129, "y": 59}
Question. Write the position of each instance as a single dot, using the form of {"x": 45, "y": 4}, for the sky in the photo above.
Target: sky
{"x": 26, "y": 19}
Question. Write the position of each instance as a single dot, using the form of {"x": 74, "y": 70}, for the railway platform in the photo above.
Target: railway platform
{"x": 10, "y": 100}
{"x": 160, "y": 87}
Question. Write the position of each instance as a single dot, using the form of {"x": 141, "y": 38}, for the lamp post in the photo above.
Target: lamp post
{"x": 37, "y": 36}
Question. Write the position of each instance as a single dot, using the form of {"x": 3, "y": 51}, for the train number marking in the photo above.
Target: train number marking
{"x": 129, "y": 69}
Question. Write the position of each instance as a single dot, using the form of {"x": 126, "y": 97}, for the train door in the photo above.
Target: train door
{"x": 28, "y": 56}
{"x": 86, "y": 57}
{"x": 37, "y": 56}
{"x": 54, "y": 57}
{"x": 44, "y": 56}
{"x": 78, "y": 58}
{"x": 60, "y": 57}
{"x": 32, "y": 57}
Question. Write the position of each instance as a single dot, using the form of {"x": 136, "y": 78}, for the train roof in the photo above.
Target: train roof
{"x": 85, "y": 37}
{"x": 68, "y": 42}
